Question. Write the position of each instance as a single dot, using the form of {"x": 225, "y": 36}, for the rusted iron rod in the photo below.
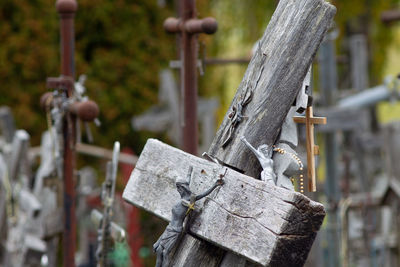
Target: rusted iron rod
{"x": 189, "y": 26}
{"x": 66, "y": 10}
{"x": 86, "y": 110}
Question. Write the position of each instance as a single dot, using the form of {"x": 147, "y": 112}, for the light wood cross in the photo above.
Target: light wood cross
{"x": 312, "y": 149}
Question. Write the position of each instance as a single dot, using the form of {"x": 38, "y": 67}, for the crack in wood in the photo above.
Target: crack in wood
{"x": 285, "y": 235}
{"x": 244, "y": 216}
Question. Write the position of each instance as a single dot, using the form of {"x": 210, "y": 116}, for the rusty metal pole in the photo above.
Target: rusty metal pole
{"x": 188, "y": 26}
{"x": 66, "y": 10}
{"x": 189, "y": 81}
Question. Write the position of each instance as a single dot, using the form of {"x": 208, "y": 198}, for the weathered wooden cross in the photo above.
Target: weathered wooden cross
{"x": 265, "y": 224}
{"x": 312, "y": 149}
{"x": 165, "y": 116}
{"x": 24, "y": 245}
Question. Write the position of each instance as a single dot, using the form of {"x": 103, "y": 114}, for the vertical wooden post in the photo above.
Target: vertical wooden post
{"x": 67, "y": 9}
{"x": 359, "y": 62}
{"x": 359, "y": 82}
{"x": 328, "y": 85}
{"x": 188, "y": 27}
{"x": 273, "y": 96}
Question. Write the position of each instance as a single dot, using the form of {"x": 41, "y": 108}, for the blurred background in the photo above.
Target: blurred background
{"x": 124, "y": 52}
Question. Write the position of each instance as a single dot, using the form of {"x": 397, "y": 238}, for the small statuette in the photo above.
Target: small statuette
{"x": 169, "y": 239}
{"x": 264, "y": 156}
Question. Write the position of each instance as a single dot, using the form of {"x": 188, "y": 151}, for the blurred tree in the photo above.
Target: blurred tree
{"x": 241, "y": 23}
{"x": 363, "y": 16}
{"x": 120, "y": 46}
{"x": 28, "y": 53}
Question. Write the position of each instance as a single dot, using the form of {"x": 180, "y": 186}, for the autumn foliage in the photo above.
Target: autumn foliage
{"x": 120, "y": 46}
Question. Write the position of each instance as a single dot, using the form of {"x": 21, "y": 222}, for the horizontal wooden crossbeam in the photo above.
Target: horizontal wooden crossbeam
{"x": 246, "y": 216}
{"x": 313, "y": 120}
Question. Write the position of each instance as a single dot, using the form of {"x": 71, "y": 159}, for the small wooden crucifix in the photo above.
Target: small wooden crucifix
{"x": 312, "y": 149}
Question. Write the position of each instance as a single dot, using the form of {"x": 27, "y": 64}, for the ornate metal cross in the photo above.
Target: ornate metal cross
{"x": 84, "y": 111}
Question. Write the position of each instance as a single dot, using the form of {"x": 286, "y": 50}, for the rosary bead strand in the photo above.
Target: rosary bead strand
{"x": 297, "y": 159}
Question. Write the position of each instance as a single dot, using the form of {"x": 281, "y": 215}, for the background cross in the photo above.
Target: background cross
{"x": 188, "y": 26}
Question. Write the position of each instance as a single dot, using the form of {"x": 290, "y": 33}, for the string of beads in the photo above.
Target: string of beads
{"x": 297, "y": 159}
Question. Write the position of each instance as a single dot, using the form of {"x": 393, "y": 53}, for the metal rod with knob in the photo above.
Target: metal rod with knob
{"x": 188, "y": 26}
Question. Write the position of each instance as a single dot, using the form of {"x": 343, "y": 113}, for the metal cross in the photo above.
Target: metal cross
{"x": 84, "y": 111}
{"x": 188, "y": 27}
{"x": 312, "y": 149}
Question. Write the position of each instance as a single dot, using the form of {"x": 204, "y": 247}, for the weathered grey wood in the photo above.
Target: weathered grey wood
{"x": 202, "y": 254}
{"x": 104, "y": 153}
{"x": 359, "y": 61}
{"x": 245, "y": 215}
{"x": 276, "y": 71}
{"x": 52, "y": 245}
{"x": 86, "y": 187}
{"x": 391, "y": 135}
{"x": 50, "y": 222}
{"x": 117, "y": 233}
{"x": 206, "y": 112}
{"x": 47, "y": 163}
{"x": 329, "y": 88}
{"x": 3, "y": 209}
{"x": 28, "y": 203}
{"x": 3, "y": 222}
{"x": 367, "y": 98}
{"x": 7, "y": 124}
{"x": 18, "y": 162}
{"x": 3, "y": 199}
{"x": 286, "y": 51}
{"x": 166, "y": 116}
{"x": 340, "y": 119}
{"x": 233, "y": 260}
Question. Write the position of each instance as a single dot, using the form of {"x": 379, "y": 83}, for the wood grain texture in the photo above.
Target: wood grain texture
{"x": 289, "y": 44}
{"x": 245, "y": 215}
{"x": 286, "y": 50}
